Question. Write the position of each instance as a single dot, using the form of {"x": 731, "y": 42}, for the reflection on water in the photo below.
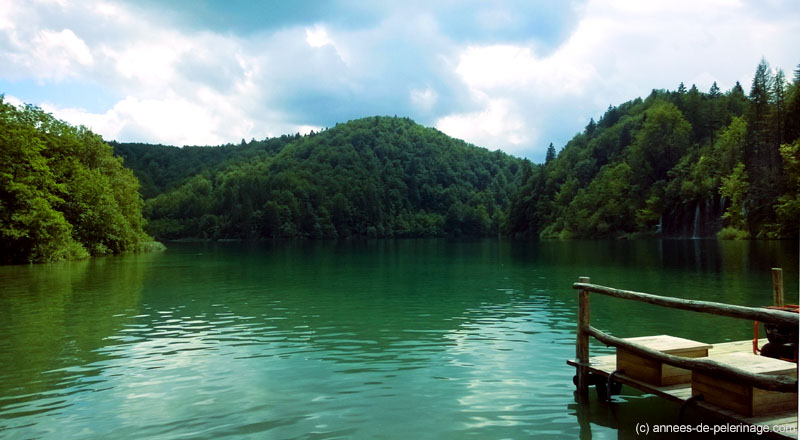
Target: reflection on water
{"x": 392, "y": 339}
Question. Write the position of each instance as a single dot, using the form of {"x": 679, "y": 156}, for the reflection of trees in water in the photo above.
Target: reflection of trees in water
{"x": 353, "y": 299}
{"x": 363, "y": 297}
{"x": 56, "y": 316}
{"x": 628, "y": 410}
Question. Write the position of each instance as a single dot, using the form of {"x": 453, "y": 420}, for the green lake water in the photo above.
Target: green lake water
{"x": 403, "y": 339}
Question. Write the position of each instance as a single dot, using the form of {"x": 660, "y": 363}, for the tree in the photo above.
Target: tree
{"x": 759, "y": 114}
{"x": 551, "y": 153}
{"x": 714, "y": 92}
{"x": 714, "y": 110}
{"x": 778, "y": 101}
{"x": 660, "y": 143}
{"x": 735, "y": 187}
{"x": 591, "y": 126}
{"x": 787, "y": 207}
{"x": 62, "y": 193}
{"x": 793, "y": 108}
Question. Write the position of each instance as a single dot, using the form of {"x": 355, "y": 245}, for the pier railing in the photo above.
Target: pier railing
{"x": 705, "y": 365}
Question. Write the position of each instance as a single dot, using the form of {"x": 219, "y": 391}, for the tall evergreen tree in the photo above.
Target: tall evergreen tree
{"x": 714, "y": 92}
{"x": 792, "y": 128}
{"x": 551, "y": 154}
{"x": 591, "y": 127}
{"x": 778, "y": 116}
{"x": 714, "y": 112}
{"x": 758, "y": 116}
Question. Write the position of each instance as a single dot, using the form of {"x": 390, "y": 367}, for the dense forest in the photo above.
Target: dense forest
{"x": 681, "y": 163}
{"x": 63, "y": 194}
{"x": 372, "y": 177}
{"x": 677, "y": 163}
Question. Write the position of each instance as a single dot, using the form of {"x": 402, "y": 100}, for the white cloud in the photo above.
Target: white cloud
{"x": 13, "y": 100}
{"x": 64, "y": 46}
{"x": 174, "y": 84}
{"x": 304, "y": 129}
{"x": 317, "y": 37}
{"x": 499, "y": 125}
{"x": 619, "y": 50}
{"x": 178, "y": 87}
{"x": 174, "y": 121}
{"x": 44, "y": 53}
{"x": 515, "y": 67}
{"x": 6, "y": 11}
{"x": 424, "y": 99}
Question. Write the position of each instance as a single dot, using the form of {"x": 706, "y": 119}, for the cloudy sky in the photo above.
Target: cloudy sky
{"x": 513, "y": 75}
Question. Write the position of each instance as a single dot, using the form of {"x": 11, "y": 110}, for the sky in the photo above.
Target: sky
{"x": 501, "y": 74}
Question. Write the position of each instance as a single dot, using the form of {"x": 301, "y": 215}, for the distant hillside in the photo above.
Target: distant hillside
{"x": 161, "y": 168}
{"x": 372, "y": 177}
{"x": 679, "y": 163}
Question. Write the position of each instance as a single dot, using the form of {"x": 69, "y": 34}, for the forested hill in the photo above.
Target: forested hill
{"x": 374, "y": 177}
{"x": 679, "y": 163}
{"x": 161, "y": 168}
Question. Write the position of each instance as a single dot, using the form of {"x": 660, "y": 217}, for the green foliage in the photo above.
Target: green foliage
{"x": 675, "y": 163}
{"x": 731, "y": 233}
{"x": 735, "y": 187}
{"x": 63, "y": 195}
{"x": 660, "y": 142}
{"x": 372, "y": 177}
{"x": 787, "y": 207}
{"x": 602, "y": 208}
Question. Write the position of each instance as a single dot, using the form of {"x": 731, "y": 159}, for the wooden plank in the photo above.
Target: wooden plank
{"x": 670, "y": 344}
{"x": 640, "y": 368}
{"x": 654, "y": 371}
{"x": 708, "y": 366}
{"x": 723, "y": 397}
{"x": 712, "y": 381}
{"x": 714, "y": 308}
{"x": 773, "y": 396}
{"x": 757, "y": 364}
{"x": 718, "y": 348}
{"x": 736, "y": 346}
{"x": 582, "y": 340}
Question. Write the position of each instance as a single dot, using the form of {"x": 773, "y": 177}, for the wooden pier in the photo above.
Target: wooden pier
{"x": 735, "y": 372}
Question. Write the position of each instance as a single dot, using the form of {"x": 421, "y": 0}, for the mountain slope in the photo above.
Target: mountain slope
{"x": 376, "y": 177}
{"x": 678, "y": 163}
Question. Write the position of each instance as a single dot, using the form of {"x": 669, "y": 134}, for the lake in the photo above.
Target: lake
{"x": 376, "y": 339}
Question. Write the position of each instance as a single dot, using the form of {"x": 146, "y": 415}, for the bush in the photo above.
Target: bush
{"x": 731, "y": 233}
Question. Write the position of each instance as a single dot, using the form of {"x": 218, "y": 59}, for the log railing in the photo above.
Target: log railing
{"x": 585, "y": 330}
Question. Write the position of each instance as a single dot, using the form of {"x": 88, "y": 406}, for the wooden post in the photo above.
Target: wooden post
{"x": 582, "y": 339}
{"x": 777, "y": 286}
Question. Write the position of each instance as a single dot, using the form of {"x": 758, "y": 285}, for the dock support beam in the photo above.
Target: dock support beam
{"x": 582, "y": 340}
{"x": 777, "y": 287}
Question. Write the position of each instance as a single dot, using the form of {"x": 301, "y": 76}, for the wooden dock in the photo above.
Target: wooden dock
{"x": 726, "y": 379}
{"x": 785, "y": 421}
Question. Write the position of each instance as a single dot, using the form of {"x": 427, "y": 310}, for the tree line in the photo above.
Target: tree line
{"x": 677, "y": 163}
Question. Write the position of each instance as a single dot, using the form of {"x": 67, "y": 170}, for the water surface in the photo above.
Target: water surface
{"x": 378, "y": 339}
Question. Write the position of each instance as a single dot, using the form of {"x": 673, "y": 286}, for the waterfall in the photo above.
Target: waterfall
{"x": 696, "y": 226}
{"x": 660, "y": 224}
